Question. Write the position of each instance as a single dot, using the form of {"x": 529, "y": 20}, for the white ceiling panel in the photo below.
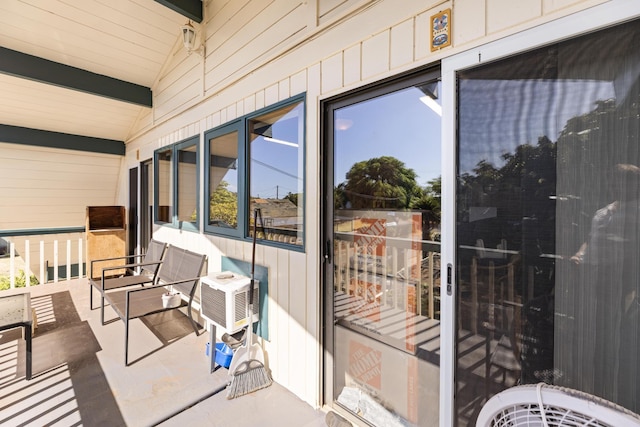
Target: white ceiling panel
{"x": 128, "y": 40}
{"x": 37, "y": 105}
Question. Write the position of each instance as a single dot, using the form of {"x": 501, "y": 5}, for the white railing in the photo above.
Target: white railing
{"x": 392, "y": 272}
{"x": 49, "y": 256}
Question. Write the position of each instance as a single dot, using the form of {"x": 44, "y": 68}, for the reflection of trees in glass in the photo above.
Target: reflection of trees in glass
{"x": 386, "y": 183}
{"x": 591, "y": 145}
{"x": 428, "y": 200}
{"x": 292, "y": 197}
{"x": 520, "y": 191}
{"x": 381, "y": 182}
{"x": 223, "y": 206}
{"x": 533, "y": 179}
{"x": 524, "y": 190}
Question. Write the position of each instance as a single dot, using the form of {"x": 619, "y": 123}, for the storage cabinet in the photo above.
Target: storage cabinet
{"x": 106, "y": 238}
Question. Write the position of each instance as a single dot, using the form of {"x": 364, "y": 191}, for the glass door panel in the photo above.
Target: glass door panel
{"x": 548, "y": 224}
{"x": 386, "y": 255}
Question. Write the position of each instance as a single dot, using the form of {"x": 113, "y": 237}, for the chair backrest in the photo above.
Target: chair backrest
{"x": 499, "y": 253}
{"x": 181, "y": 264}
{"x": 155, "y": 253}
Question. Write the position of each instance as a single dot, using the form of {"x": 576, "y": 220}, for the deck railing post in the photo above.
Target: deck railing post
{"x": 68, "y": 259}
{"x": 42, "y": 276}
{"x": 55, "y": 261}
{"x": 80, "y": 257}
{"x": 12, "y": 265}
{"x": 27, "y": 260}
{"x": 394, "y": 269}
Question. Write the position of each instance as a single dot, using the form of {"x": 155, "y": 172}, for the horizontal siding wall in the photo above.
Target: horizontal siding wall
{"x": 322, "y": 48}
{"x": 243, "y": 36}
{"x": 180, "y": 85}
{"x": 46, "y": 187}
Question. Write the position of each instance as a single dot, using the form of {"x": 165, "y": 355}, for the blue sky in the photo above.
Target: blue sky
{"x": 398, "y": 125}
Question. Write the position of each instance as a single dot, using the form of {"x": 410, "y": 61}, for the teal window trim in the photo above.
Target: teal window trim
{"x": 41, "y": 231}
{"x": 244, "y": 157}
{"x": 175, "y": 150}
{"x": 226, "y": 129}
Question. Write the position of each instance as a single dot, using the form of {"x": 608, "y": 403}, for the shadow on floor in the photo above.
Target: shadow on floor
{"x": 68, "y": 384}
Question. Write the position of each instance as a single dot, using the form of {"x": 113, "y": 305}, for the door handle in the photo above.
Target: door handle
{"x": 327, "y": 251}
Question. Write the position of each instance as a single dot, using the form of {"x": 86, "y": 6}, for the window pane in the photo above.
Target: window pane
{"x": 165, "y": 187}
{"x": 188, "y": 184}
{"x": 276, "y": 172}
{"x": 548, "y": 232}
{"x": 223, "y": 181}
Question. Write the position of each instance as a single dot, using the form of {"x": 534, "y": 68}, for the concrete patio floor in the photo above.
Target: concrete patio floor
{"x": 79, "y": 377}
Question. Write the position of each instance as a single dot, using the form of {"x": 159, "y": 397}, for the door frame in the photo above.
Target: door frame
{"x": 145, "y": 217}
{"x": 418, "y": 75}
{"x": 134, "y": 192}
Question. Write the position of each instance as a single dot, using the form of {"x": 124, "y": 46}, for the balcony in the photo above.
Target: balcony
{"x": 79, "y": 377}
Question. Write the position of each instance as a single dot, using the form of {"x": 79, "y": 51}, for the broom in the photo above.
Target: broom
{"x": 247, "y": 366}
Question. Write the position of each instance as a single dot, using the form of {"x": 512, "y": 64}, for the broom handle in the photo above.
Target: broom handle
{"x": 253, "y": 251}
{"x": 253, "y": 265}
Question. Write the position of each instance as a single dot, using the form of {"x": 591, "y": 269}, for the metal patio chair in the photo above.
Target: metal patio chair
{"x": 179, "y": 271}
{"x": 149, "y": 263}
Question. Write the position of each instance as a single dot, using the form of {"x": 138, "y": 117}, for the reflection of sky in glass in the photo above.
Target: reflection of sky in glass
{"x": 397, "y": 125}
{"x": 231, "y": 177}
{"x": 224, "y": 149}
{"x": 496, "y": 116}
{"x": 274, "y": 166}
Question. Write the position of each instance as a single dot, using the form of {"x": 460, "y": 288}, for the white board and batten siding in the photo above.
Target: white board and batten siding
{"x": 260, "y": 52}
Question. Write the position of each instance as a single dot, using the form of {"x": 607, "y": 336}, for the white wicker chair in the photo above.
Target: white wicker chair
{"x": 544, "y": 405}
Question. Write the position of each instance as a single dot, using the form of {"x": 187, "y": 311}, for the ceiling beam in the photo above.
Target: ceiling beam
{"x": 31, "y": 67}
{"x": 45, "y": 138}
{"x": 191, "y": 9}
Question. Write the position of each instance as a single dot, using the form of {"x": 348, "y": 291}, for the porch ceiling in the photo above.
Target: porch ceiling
{"x": 85, "y": 67}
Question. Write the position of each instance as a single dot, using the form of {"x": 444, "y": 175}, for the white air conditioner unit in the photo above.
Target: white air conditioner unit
{"x": 224, "y": 300}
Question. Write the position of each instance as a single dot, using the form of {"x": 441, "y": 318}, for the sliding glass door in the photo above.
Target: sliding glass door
{"x": 383, "y": 252}
{"x": 548, "y": 225}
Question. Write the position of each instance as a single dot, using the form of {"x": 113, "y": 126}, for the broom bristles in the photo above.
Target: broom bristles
{"x": 249, "y": 377}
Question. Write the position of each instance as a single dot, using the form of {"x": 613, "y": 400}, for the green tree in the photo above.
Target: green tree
{"x": 292, "y": 197}
{"x": 20, "y": 281}
{"x": 223, "y": 206}
{"x": 429, "y": 202}
{"x": 382, "y": 182}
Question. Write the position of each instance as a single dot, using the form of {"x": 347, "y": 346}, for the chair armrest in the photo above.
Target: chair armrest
{"x": 162, "y": 285}
{"x": 112, "y": 259}
{"x": 117, "y": 267}
{"x": 139, "y": 264}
